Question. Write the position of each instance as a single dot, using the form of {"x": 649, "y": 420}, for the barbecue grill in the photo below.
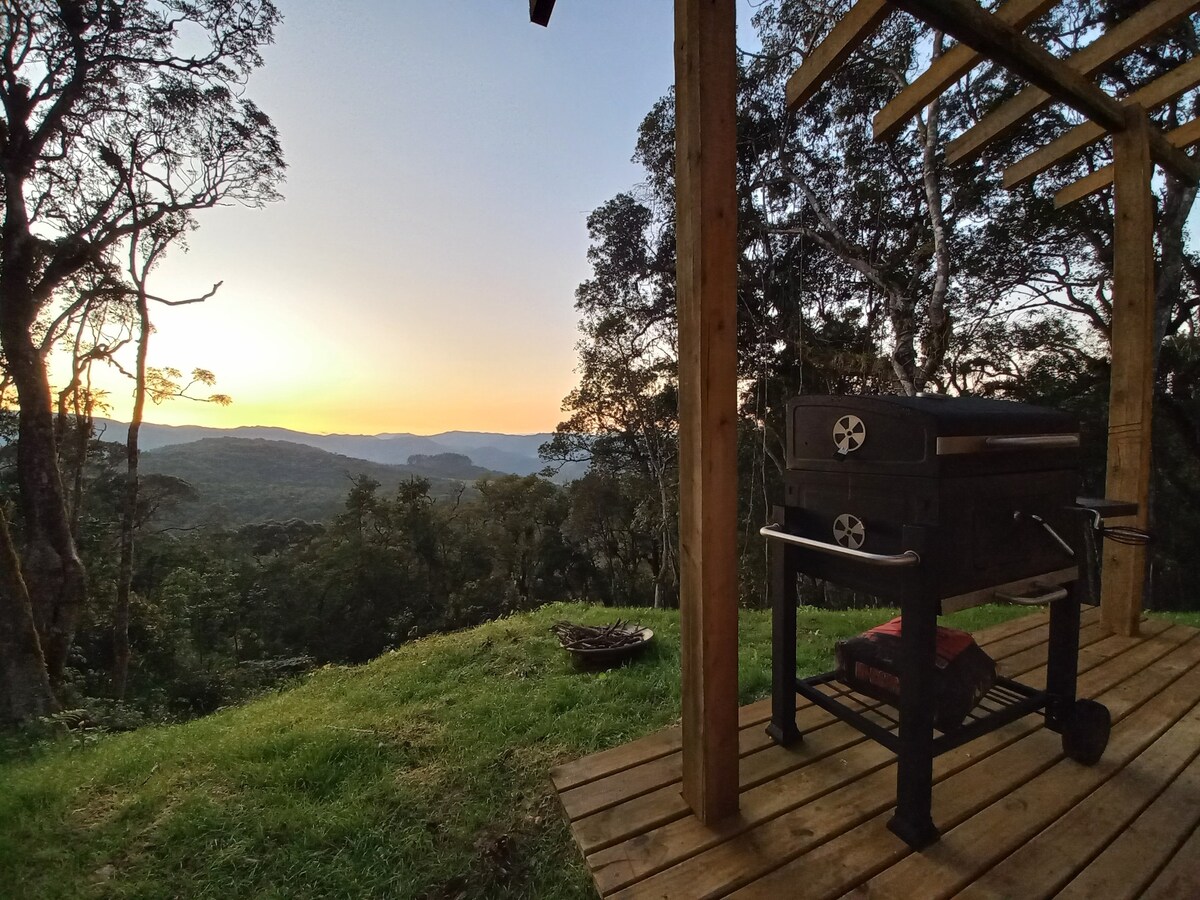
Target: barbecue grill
{"x": 935, "y": 504}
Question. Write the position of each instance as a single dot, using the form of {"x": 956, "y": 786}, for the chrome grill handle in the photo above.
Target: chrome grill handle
{"x": 1031, "y": 441}
{"x": 907, "y": 558}
{"x": 1051, "y": 596}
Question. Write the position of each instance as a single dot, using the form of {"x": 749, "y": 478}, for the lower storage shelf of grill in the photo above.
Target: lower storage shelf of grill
{"x": 1005, "y": 702}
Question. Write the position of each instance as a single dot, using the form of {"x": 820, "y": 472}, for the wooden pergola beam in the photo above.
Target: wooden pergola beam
{"x": 850, "y": 31}
{"x": 1182, "y": 137}
{"x": 706, "y": 294}
{"x": 969, "y": 23}
{"x": 1109, "y": 46}
{"x": 947, "y": 69}
{"x": 1168, "y": 87}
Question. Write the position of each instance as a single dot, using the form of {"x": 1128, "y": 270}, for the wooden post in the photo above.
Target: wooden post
{"x": 706, "y": 268}
{"x": 1132, "y": 390}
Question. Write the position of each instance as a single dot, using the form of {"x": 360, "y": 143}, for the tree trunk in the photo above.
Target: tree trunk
{"x": 53, "y": 573}
{"x": 121, "y": 651}
{"x": 25, "y": 691}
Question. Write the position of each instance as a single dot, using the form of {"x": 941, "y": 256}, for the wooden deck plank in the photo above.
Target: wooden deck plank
{"x": 645, "y": 854}
{"x": 839, "y": 864}
{"x": 625, "y": 756}
{"x": 1033, "y": 656}
{"x": 669, "y": 740}
{"x": 610, "y": 790}
{"x": 813, "y": 818}
{"x": 789, "y": 786}
{"x": 973, "y": 847}
{"x": 830, "y": 867}
{"x": 1129, "y": 863}
{"x": 617, "y": 759}
{"x": 743, "y": 855}
{"x": 655, "y": 809}
{"x": 1044, "y": 865}
{"x": 1181, "y": 876}
{"x": 1039, "y": 619}
{"x": 1015, "y": 643}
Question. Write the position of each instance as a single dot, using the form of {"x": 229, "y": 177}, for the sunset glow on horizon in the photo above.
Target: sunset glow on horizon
{"x": 420, "y": 274}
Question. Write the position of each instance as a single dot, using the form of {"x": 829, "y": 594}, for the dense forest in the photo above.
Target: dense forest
{"x": 866, "y": 267}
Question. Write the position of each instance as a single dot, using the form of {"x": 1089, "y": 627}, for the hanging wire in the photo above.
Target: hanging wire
{"x": 1130, "y": 535}
{"x": 1127, "y": 534}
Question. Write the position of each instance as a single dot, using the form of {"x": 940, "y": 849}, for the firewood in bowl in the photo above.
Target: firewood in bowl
{"x": 602, "y": 643}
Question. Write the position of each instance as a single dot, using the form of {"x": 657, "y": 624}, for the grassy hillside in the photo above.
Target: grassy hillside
{"x": 422, "y": 774}
{"x": 242, "y": 480}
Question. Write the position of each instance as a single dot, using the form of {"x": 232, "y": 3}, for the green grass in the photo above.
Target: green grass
{"x": 1181, "y": 618}
{"x": 422, "y": 774}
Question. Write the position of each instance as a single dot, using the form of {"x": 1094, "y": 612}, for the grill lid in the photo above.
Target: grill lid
{"x": 931, "y": 434}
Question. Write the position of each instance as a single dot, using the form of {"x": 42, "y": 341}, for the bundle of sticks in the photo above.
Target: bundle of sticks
{"x": 597, "y": 637}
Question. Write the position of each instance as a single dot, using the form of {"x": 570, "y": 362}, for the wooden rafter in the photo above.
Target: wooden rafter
{"x": 969, "y": 23}
{"x": 1110, "y": 46}
{"x": 1182, "y": 137}
{"x": 1168, "y": 87}
{"x": 850, "y": 31}
{"x": 947, "y": 69}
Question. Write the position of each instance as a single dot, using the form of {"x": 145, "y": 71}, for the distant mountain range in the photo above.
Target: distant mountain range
{"x": 513, "y": 453}
{"x": 241, "y": 480}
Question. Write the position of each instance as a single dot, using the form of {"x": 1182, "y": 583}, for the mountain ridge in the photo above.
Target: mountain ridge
{"x": 242, "y": 480}
{"x": 496, "y": 451}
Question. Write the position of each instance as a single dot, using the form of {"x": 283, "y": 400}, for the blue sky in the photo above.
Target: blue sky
{"x": 420, "y": 274}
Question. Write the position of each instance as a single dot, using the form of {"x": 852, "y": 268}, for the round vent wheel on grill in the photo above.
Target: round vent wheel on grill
{"x": 849, "y": 531}
{"x": 1085, "y": 733}
{"x": 849, "y": 432}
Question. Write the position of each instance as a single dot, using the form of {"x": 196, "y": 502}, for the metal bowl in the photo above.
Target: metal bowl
{"x": 605, "y": 655}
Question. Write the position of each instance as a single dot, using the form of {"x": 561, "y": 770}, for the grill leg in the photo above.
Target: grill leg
{"x": 1062, "y": 658}
{"x": 783, "y": 730}
{"x": 913, "y": 822}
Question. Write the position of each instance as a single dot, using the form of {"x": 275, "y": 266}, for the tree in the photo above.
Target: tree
{"x": 116, "y": 117}
{"x": 146, "y": 248}
{"x": 623, "y": 414}
{"x": 872, "y": 266}
{"x": 521, "y": 520}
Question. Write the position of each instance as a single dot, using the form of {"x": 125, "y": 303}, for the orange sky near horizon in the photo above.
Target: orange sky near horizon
{"x": 420, "y": 274}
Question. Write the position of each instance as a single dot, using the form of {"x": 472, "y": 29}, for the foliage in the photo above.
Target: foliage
{"x": 120, "y": 123}
{"x": 873, "y": 267}
{"x": 422, "y": 774}
{"x": 243, "y": 480}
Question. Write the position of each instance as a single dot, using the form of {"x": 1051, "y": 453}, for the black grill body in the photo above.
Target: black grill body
{"x": 958, "y": 480}
{"x": 932, "y": 503}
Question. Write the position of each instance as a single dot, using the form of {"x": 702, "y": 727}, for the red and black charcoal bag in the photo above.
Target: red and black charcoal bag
{"x": 870, "y": 664}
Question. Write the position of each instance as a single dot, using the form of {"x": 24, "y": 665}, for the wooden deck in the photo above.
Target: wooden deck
{"x": 1018, "y": 820}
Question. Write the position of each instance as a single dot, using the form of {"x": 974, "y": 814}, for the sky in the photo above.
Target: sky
{"x": 419, "y": 275}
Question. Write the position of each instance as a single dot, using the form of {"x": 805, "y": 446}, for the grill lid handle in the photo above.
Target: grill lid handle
{"x": 1052, "y": 594}
{"x": 1031, "y": 441}
{"x": 982, "y": 443}
{"x": 907, "y": 558}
